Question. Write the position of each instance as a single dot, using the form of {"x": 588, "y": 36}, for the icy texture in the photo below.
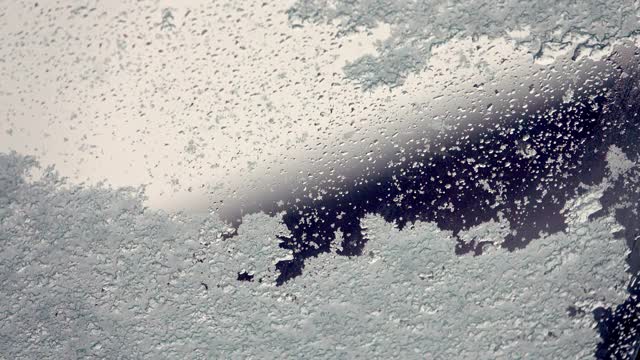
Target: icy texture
{"x": 545, "y": 27}
{"x": 90, "y": 272}
{"x": 619, "y": 326}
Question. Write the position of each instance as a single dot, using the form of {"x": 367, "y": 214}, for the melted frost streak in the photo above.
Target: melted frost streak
{"x": 521, "y": 167}
{"x": 483, "y": 177}
{"x": 530, "y": 195}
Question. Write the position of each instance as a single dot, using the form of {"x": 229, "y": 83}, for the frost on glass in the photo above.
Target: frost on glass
{"x": 545, "y": 28}
{"x": 326, "y": 179}
{"x": 92, "y": 272}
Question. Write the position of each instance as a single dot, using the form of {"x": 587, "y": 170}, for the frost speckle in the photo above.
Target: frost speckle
{"x": 618, "y": 163}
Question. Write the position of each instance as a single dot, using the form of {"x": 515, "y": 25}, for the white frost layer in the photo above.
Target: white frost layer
{"x": 89, "y": 272}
